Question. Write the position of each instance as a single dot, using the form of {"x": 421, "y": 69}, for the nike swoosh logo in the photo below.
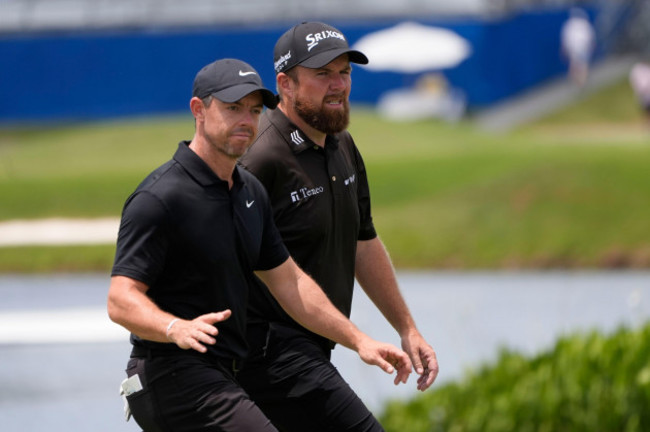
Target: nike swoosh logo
{"x": 249, "y": 204}
{"x": 241, "y": 73}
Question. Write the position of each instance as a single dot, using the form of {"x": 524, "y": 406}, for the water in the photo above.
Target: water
{"x": 467, "y": 317}
{"x": 61, "y": 359}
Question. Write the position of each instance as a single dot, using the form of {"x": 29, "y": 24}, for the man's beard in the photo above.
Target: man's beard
{"x": 322, "y": 119}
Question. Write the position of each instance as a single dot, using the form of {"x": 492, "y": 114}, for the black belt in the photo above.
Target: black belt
{"x": 231, "y": 365}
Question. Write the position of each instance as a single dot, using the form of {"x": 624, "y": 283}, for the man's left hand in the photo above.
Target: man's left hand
{"x": 423, "y": 358}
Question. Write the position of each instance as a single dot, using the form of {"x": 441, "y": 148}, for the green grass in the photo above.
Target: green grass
{"x": 551, "y": 195}
{"x": 568, "y": 191}
{"x": 82, "y": 171}
{"x": 613, "y": 104}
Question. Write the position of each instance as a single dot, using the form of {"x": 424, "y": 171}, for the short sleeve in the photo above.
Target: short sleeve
{"x": 366, "y": 226}
{"x": 143, "y": 239}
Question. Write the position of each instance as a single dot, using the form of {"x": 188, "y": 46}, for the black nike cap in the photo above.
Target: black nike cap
{"x": 229, "y": 80}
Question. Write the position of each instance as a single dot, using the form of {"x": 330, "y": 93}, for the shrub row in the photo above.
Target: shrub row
{"x": 587, "y": 382}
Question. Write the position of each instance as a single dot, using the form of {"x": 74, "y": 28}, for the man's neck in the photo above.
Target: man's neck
{"x": 318, "y": 137}
{"x": 222, "y": 165}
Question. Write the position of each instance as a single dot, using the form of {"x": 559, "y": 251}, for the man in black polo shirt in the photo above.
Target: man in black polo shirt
{"x": 318, "y": 188}
{"x": 191, "y": 236}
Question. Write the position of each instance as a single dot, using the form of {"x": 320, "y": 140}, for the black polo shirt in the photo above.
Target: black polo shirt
{"x": 321, "y": 205}
{"x": 196, "y": 243}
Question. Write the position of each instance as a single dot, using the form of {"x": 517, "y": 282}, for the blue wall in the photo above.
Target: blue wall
{"x": 97, "y": 74}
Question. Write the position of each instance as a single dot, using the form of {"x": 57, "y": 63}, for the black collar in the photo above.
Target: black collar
{"x": 199, "y": 170}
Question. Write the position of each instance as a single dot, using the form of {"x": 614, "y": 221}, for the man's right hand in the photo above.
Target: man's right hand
{"x": 388, "y": 357}
{"x": 197, "y": 333}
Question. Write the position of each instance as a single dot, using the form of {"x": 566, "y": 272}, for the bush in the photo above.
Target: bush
{"x": 588, "y": 382}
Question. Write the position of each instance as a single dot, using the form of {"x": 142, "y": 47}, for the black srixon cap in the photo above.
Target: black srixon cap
{"x": 229, "y": 80}
{"x": 312, "y": 45}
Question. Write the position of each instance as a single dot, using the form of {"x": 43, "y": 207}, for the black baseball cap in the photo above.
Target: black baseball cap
{"x": 229, "y": 80}
{"x": 312, "y": 45}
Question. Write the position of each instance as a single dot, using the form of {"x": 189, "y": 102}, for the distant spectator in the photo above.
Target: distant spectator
{"x": 640, "y": 82}
{"x": 578, "y": 41}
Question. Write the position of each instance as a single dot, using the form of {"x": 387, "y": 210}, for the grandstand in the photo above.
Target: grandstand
{"x": 47, "y": 15}
{"x": 18, "y": 15}
{"x": 21, "y": 15}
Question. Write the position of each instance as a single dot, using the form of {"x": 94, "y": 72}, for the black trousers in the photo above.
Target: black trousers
{"x": 191, "y": 392}
{"x": 290, "y": 377}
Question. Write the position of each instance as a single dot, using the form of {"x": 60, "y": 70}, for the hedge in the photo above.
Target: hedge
{"x": 587, "y": 382}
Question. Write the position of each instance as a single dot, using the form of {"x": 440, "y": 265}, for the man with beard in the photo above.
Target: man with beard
{"x": 317, "y": 184}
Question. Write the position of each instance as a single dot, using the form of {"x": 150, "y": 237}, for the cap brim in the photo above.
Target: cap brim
{"x": 235, "y": 93}
{"x": 321, "y": 59}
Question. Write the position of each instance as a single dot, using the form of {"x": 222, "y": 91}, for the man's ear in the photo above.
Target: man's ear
{"x": 284, "y": 83}
{"x": 197, "y": 108}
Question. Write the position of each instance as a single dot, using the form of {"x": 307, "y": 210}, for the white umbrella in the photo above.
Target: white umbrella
{"x": 411, "y": 47}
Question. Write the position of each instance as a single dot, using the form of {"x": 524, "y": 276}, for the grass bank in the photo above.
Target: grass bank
{"x": 569, "y": 191}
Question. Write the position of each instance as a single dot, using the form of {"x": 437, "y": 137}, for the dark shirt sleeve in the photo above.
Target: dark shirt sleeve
{"x": 366, "y": 227}
{"x": 143, "y": 239}
{"x": 262, "y": 167}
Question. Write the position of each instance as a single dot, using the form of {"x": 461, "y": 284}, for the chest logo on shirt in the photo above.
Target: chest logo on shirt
{"x": 348, "y": 181}
{"x": 296, "y": 138}
{"x": 304, "y": 192}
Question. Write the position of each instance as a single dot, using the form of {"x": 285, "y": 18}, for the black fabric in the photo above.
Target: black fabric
{"x": 229, "y": 365}
{"x": 189, "y": 394}
{"x": 321, "y": 206}
{"x": 196, "y": 243}
{"x": 292, "y": 380}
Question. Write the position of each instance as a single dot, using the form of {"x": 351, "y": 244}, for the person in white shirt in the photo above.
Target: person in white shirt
{"x": 640, "y": 82}
{"x": 578, "y": 42}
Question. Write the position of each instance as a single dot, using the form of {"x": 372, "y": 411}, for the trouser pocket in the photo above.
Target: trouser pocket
{"x": 142, "y": 402}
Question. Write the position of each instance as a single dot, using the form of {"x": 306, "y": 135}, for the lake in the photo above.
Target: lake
{"x": 62, "y": 359}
